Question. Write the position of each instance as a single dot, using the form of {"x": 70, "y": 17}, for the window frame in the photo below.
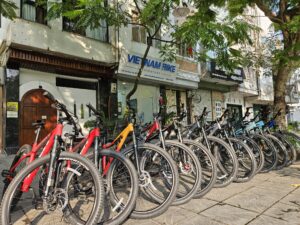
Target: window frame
{"x": 83, "y": 33}
{"x": 32, "y": 3}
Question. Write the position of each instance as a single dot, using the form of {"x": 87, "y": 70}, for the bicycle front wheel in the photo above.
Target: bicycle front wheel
{"x": 158, "y": 180}
{"x": 34, "y": 207}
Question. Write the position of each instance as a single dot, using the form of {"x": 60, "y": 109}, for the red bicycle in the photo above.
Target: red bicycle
{"x": 38, "y": 183}
{"x": 120, "y": 176}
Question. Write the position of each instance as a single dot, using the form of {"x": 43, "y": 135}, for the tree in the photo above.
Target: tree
{"x": 152, "y": 15}
{"x": 7, "y": 9}
{"x": 222, "y": 35}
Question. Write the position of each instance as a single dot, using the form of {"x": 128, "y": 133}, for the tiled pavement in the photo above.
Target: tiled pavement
{"x": 268, "y": 199}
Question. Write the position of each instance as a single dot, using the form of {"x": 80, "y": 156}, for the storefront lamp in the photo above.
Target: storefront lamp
{"x": 182, "y": 10}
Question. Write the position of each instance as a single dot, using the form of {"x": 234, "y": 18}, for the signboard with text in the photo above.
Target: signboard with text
{"x": 217, "y": 72}
{"x": 154, "y": 69}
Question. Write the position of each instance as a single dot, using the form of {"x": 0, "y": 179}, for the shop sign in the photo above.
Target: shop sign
{"x": 12, "y": 109}
{"x": 217, "y": 72}
{"x": 154, "y": 69}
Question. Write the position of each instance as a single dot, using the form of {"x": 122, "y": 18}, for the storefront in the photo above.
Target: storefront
{"x": 74, "y": 83}
{"x": 159, "y": 78}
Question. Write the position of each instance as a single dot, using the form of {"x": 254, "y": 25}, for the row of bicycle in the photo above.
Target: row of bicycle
{"x": 140, "y": 173}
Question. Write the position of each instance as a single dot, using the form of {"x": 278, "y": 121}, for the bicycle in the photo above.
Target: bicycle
{"x": 52, "y": 192}
{"x": 226, "y": 160}
{"x": 187, "y": 162}
{"x": 157, "y": 172}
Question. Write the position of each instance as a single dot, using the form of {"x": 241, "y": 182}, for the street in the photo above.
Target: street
{"x": 267, "y": 199}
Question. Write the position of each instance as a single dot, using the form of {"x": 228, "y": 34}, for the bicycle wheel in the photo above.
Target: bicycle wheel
{"x": 294, "y": 139}
{"x": 15, "y": 169}
{"x": 281, "y": 151}
{"x": 33, "y": 208}
{"x": 189, "y": 170}
{"x": 121, "y": 186}
{"x": 291, "y": 151}
{"x": 257, "y": 151}
{"x": 158, "y": 180}
{"x": 208, "y": 166}
{"x": 247, "y": 163}
{"x": 227, "y": 163}
{"x": 270, "y": 153}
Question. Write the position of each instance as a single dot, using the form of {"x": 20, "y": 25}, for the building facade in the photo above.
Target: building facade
{"x": 77, "y": 67}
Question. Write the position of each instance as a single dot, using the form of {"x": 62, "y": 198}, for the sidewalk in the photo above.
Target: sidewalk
{"x": 268, "y": 199}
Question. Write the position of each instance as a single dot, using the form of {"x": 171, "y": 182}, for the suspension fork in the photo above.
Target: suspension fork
{"x": 135, "y": 147}
{"x": 205, "y": 138}
{"x": 179, "y": 136}
{"x": 53, "y": 165}
{"x": 96, "y": 153}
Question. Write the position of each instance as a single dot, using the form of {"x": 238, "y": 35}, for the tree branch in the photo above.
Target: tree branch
{"x": 267, "y": 12}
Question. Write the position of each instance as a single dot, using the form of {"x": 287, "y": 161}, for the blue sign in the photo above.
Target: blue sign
{"x": 152, "y": 63}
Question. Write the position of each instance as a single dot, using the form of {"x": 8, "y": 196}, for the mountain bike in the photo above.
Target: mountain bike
{"x": 226, "y": 160}
{"x": 42, "y": 190}
{"x": 189, "y": 167}
{"x": 157, "y": 171}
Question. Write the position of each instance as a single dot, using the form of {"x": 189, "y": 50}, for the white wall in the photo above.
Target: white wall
{"x": 51, "y": 38}
{"x": 201, "y": 99}
{"x": 30, "y": 79}
{"x": 147, "y": 99}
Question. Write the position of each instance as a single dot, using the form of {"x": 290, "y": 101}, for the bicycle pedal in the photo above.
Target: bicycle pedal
{"x": 38, "y": 204}
{"x": 7, "y": 173}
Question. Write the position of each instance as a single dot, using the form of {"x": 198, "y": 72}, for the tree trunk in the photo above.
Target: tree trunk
{"x": 280, "y": 93}
{"x": 138, "y": 76}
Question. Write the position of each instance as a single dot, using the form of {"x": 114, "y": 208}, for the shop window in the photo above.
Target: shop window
{"x": 33, "y": 12}
{"x": 100, "y": 33}
{"x": 139, "y": 33}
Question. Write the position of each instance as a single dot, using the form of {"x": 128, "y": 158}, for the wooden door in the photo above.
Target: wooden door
{"x": 34, "y": 106}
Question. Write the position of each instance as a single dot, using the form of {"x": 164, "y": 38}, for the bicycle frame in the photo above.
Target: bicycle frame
{"x": 51, "y": 141}
{"x": 94, "y": 137}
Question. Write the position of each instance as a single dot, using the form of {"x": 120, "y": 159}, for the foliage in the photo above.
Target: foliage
{"x": 293, "y": 126}
{"x": 8, "y": 9}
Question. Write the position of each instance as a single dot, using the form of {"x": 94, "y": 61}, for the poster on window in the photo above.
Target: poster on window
{"x": 12, "y": 109}
{"x": 218, "y": 107}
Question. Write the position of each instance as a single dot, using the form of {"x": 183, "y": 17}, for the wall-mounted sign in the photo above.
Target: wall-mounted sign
{"x": 217, "y": 72}
{"x": 154, "y": 69}
{"x": 12, "y": 109}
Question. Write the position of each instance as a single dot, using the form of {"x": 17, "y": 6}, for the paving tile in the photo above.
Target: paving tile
{"x": 252, "y": 200}
{"x": 229, "y": 215}
{"x": 198, "y": 205}
{"x": 291, "y": 199}
{"x": 173, "y": 215}
{"x": 267, "y": 220}
{"x": 289, "y": 213}
{"x": 285, "y": 187}
{"x": 220, "y": 194}
{"x": 141, "y": 222}
{"x": 200, "y": 220}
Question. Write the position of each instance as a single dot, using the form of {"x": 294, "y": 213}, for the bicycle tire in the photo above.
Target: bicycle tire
{"x": 270, "y": 153}
{"x": 229, "y": 177}
{"x": 206, "y": 160}
{"x": 162, "y": 206}
{"x": 64, "y": 156}
{"x": 121, "y": 217}
{"x": 294, "y": 140}
{"x": 22, "y": 151}
{"x": 182, "y": 198}
{"x": 259, "y": 155}
{"x": 292, "y": 153}
{"x": 281, "y": 151}
{"x": 244, "y": 154}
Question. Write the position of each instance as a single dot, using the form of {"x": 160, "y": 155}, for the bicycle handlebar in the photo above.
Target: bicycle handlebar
{"x": 61, "y": 107}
